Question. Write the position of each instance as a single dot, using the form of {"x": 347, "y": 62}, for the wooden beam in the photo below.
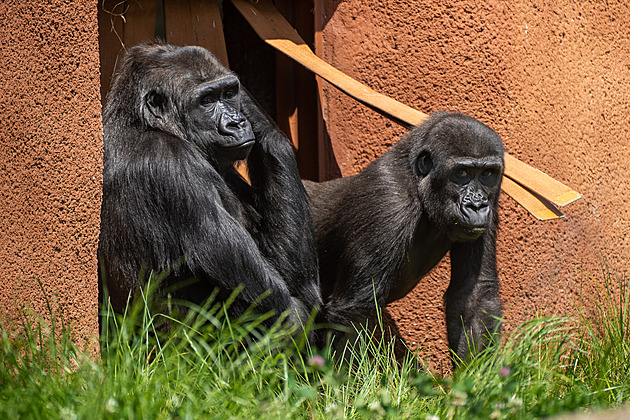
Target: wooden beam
{"x": 539, "y": 182}
{"x": 535, "y": 205}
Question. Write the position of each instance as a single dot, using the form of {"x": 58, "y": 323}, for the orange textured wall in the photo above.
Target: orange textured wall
{"x": 552, "y": 78}
{"x": 50, "y": 159}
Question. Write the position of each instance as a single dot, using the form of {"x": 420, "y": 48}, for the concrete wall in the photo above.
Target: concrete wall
{"x": 50, "y": 160}
{"x": 552, "y": 78}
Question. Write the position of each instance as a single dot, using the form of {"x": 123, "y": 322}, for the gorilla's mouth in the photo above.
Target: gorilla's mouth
{"x": 248, "y": 144}
{"x": 472, "y": 232}
{"x": 471, "y": 227}
{"x": 232, "y": 153}
{"x": 466, "y": 233}
{"x": 475, "y": 228}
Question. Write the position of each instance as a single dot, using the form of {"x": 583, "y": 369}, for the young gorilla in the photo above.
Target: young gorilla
{"x": 174, "y": 123}
{"x": 379, "y": 232}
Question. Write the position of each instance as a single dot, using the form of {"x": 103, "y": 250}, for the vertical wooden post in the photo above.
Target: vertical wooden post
{"x": 296, "y": 93}
{"x": 306, "y": 97}
{"x": 323, "y": 172}
{"x": 139, "y": 22}
{"x": 110, "y": 34}
{"x": 195, "y": 22}
{"x": 122, "y": 25}
{"x": 286, "y": 108}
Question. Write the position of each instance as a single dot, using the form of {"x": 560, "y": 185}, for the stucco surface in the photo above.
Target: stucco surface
{"x": 552, "y": 78}
{"x": 50, "y": 160}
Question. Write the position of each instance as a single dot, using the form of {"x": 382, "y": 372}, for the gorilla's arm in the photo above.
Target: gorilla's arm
{"x": 166, "y": 201}
{"x": 285, "y": 232}
{"x": 472, "y": 298}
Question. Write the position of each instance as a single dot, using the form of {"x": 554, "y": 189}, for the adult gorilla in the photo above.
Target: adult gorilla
{"x": 174, "y": 123}
{"x": 379, "y": 232}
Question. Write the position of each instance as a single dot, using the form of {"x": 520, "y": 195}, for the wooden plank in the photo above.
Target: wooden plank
{"x": 208, "y": 28}
{"x": 195, "y": 22}
{"x": 277, "y": 32}
{"x": 535, "y": 205}
{"x": 110, "y": 43}
{"x": 306, "y": 97}
{"x": 286, "y": 106}
{"x": 177, "y": 22}
{"x": 541, "y": 183}
{"x": 318, "y": 44}
{"x": 296, "y": 98}
{"x": 139, "y": 23}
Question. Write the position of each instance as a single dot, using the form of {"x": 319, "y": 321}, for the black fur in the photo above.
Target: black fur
{"x": 379, "y": 232}
{"x": 174, "y": 122}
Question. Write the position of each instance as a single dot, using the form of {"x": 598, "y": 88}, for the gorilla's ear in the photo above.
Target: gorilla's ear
{"x": 155, "y": 103}
{"x": 424, "y": 163}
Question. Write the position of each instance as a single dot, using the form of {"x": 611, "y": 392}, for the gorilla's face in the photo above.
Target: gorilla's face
{"x": 459, "y": 168}
{"x": 472, "y": 188}
{"x": 217, "y": 122}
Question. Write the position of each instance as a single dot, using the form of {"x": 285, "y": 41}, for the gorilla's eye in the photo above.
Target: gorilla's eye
{"x": 461, "y": 175}
{"x": 207, "y": 100}
{"x": 489, "y": 177}
{"x": 230, "y": 93}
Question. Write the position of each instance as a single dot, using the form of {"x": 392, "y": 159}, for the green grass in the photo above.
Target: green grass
{"x": 208, "y": 366}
